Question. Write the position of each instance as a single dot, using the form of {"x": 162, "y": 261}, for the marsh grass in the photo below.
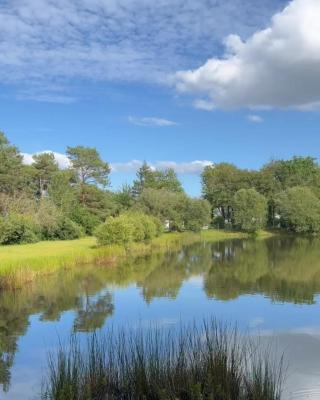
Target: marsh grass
{"x": 207, "y": 362}
{"x": 20, "y": 264}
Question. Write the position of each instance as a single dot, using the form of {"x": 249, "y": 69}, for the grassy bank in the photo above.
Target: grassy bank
{"x": 22, "y": 263}
{"x": 188, "y": 363}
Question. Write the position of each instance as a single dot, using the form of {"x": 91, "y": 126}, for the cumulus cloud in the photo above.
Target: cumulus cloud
{"x": 58, "y": 41}
{"x": 192, "y": 167}
{"x": 254, "y": 118}
{"x": 151, "y": 121}
{"x": 61, "y": 159}
{"x": 275, "y": 67}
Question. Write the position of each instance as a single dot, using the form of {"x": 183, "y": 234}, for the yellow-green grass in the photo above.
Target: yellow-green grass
{"x": 21, "y": 263}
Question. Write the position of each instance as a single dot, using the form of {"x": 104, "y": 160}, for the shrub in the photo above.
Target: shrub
{"x": 83, "y": 217}
{"x": 158, "y": 224}
{"x": 130, "y": 227}
{"x": 299, "y": 209}
{"x": 18, "y": 229}
{"x": 138, "y": 228}
{"x": 68, "y": 229}
{"x": 115, "y": 231}
{"x": 149, "y": 227}
{"x": 250, "y": 210}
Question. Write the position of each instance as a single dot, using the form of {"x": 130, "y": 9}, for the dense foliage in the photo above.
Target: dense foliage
{"x": 288, "y": 206}
{"x": 250, "y": 210}
{"x": 299, "y": 208}
{"x": 44, "y": 202}
{"x": 127, "y": 228}
{"x": 41, "y": 201}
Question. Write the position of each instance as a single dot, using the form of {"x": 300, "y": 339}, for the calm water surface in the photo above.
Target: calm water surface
{"x": 270, "y": 288}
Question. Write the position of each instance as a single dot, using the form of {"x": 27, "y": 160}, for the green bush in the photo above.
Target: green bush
{"x": 138, "y": 228}
{"x": 130, "y": 227}
{"x": 68, "y": 229}
{"x": 83, "y": 217}
{"x": 149, "y": 227}
{"x": 54, "y": 225}
{"x": 18, "y": 229}
{"x": 158, "y": 224}
{"x": 299, "y": 209}
{"x": 115, "y": 231}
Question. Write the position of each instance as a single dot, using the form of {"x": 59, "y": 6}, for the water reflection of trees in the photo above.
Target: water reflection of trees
{"x": 172, "y": 269}
{"x": 49, "y": 298}
{"x": 82, "y": 291}
{"x": 284, "y": 269}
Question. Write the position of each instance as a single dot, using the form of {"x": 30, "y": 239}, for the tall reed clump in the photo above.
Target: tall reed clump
{"x": 192, "y": 363}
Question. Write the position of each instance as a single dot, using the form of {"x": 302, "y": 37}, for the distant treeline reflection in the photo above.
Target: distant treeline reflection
{"x": 285, "y": 269}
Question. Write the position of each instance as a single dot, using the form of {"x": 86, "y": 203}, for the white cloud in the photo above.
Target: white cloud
{"x": 206, "y": 105}
{"x": 192, "y": 167}
{"x": 255, "y": 119}
{"x": 61, "y": 159}
{"x": 58, "y": 41}
{"x": 275, "y": 67}
{"x": 151, "y": 121}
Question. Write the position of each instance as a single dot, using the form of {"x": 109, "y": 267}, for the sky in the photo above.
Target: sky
{"x": 178, "y": 83}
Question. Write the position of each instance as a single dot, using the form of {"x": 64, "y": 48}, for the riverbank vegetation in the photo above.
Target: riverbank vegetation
{"x": 43, "y": 202}
{"x": 282, "y": 194}
{"x": 206, "y": 362}
{"x": 23, "y": 263}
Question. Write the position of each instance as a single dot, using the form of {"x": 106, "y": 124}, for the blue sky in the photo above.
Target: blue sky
{"x": 176, "y": 83}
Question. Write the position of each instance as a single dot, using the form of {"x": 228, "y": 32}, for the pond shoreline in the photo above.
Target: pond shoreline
{"x": 20, "y": 264}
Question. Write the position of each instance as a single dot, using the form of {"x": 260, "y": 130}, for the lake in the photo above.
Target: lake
{"x": 268, "y": 287}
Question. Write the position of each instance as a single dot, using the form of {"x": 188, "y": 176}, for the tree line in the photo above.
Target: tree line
{"x": 282, "y": 194}
{"x": 43, "y": 202}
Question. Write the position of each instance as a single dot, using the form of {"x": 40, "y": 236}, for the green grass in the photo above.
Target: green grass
{"x": 23, "y": 263}
{"x": 210, "y": 361}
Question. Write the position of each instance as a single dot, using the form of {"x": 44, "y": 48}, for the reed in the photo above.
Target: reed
{"x": 211, "y": 361}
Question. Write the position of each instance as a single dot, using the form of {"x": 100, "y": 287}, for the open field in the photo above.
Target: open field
{"x": 22, "y": 263}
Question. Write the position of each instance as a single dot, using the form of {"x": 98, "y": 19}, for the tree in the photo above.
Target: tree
{"x": 93, "y": 206}
{"x": 125, "y": 198}
{"x": 299, "y": 209}
{"x": 88, "y": 165}
{"x": 63, "y": 192}
{"x": 299, "y": 171}
{"x": 147, "y": 178}
{"x": 11, "y": 167}
{"x": 165, "y": 205}
{"x": 250, "y": 210}
{"x": 167, "y": 180}
{"x": 196, "y": 214}
{"x": 220, "y": 182}
{"x": 45, "y": 166}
